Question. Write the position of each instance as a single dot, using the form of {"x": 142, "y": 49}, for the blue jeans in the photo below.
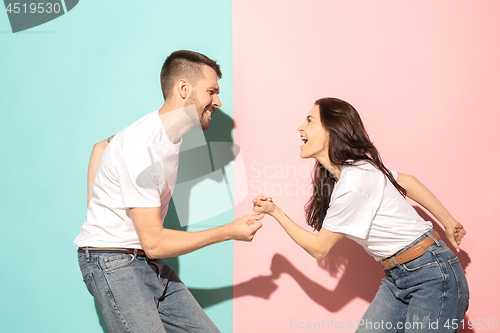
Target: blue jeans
{"x": 137, "y": 294}
{"x": 427, "y": 294}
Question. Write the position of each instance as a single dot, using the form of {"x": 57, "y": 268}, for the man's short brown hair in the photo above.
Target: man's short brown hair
{"x": 187, "y": 64}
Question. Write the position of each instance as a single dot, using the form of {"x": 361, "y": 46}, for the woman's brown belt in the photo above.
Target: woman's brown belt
{"x": 413, "y": 252}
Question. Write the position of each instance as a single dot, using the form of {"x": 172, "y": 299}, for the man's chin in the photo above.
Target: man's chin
{"x": 204, "y": 124}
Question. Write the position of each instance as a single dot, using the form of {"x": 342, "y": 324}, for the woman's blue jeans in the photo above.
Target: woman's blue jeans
{"x": 427, "y": 294}
{"x": 137, "y": 294}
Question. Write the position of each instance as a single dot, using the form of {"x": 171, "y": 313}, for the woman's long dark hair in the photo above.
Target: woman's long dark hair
{"x": 348, "y": 144}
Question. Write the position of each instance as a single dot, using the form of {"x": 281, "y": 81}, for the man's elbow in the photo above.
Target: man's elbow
{"x": 153, "y": 255}
{"x": 151, "y": 249}
{"x": 154, "y": 250}
{"x": 151, "y": 252}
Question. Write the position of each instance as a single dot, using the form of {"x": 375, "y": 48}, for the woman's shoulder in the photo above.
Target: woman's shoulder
{"x": 360, "y": 177}
{"x": 359, "y": 169}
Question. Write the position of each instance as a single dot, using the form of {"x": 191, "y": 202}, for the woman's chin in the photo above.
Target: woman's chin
{"x": 304, "y": 156}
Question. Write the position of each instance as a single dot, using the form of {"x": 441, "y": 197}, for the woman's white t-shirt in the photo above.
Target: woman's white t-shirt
{"x": 368, "y": 209}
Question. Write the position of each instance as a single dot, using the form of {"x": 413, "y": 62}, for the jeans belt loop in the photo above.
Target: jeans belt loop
{"x": 394, "y": 262}
{"x": 87, "y": 253}
{"x": 429, "y": 234}
{"x": 135, "y": 253}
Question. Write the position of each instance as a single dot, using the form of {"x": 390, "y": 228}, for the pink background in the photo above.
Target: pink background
{"x": 425, "y": 77}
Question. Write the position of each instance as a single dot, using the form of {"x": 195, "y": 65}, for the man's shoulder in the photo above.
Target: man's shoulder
{"x": 137, "y": 132}
{"x": 141, "y": 124}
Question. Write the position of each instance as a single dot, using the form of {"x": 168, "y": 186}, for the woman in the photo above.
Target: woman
{"x": 356, "y": 196}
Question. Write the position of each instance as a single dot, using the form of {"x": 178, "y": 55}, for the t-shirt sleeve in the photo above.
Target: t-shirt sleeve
{"x": 394, "y": 174}
{"x": 139, "y": 178}
{"x": 351, "y": 213}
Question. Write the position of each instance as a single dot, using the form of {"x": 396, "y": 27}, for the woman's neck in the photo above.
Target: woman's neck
{"x": 335, "y": 170}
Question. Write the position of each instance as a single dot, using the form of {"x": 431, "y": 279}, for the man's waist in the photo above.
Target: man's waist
{"x": 138, "y": 252}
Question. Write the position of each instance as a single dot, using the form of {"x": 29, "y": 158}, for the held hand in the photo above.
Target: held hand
{"x": 455, "y": 233}
{"x": 245, "y": 227}
{"x": 264, "y": 204}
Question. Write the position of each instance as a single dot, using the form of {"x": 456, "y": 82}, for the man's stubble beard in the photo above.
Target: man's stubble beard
{"x": 199, "y": 120}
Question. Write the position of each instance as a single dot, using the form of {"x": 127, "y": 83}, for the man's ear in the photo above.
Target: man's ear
{"x": 183, "y": 88}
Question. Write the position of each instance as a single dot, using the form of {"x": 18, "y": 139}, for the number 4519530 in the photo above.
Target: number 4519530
{"x": 33, "y": 8}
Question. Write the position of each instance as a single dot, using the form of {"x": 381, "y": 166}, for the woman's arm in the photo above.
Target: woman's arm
{"x": 416, "y": 191}
{"x": 317, "y": 246}
{"x": 95, "y": 158}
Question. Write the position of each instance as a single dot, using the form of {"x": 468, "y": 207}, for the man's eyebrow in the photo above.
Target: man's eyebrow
{"x": 214, "y": 88}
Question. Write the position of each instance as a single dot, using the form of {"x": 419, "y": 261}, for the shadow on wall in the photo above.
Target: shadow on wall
{"x": 359, "y": 274}
{"x": 261, "y": 286}
{"x": 190, "y": 167}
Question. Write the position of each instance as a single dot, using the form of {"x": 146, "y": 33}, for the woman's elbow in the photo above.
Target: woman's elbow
{"x": 318, "y": 255}
{"x": 406, "y": 180}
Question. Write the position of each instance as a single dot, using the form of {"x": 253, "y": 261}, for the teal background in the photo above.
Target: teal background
{"x": 64, "y": 86}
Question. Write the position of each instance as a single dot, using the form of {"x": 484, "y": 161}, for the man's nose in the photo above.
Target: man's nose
{"x": 216, "y": 101}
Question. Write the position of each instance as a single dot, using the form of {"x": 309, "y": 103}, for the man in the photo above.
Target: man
{"x": 122, "y": 240}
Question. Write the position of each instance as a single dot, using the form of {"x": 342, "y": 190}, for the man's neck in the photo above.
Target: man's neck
{"x": 176, "y": 120}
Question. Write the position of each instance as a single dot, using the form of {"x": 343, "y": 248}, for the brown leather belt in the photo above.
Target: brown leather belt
{"x": 413, "y": 252}
{"x": 113, "y": 250}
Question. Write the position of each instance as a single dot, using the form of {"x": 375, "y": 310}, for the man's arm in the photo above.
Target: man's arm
{"x": 416, "y": 191}
{"x": 159, "y": 242}
{"x": 95, "y": 158}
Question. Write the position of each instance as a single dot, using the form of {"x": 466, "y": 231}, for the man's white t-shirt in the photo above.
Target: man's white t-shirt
{"x": 368, "y": 209}
{"x": 138, "y": 169}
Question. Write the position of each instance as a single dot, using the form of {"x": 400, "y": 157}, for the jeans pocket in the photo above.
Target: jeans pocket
{"x": 84, "y": 264}
{"x": 90, "y": 283}
{"x": 462, "y": 285}
{"x": 117, "y": 261}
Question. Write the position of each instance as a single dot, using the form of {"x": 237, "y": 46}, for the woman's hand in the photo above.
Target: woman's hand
{"x": 317, "y": 245}
{"x": 419, "y": 193}
{"x": 455, "y": 233}
{"x": 264, "y": 204}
